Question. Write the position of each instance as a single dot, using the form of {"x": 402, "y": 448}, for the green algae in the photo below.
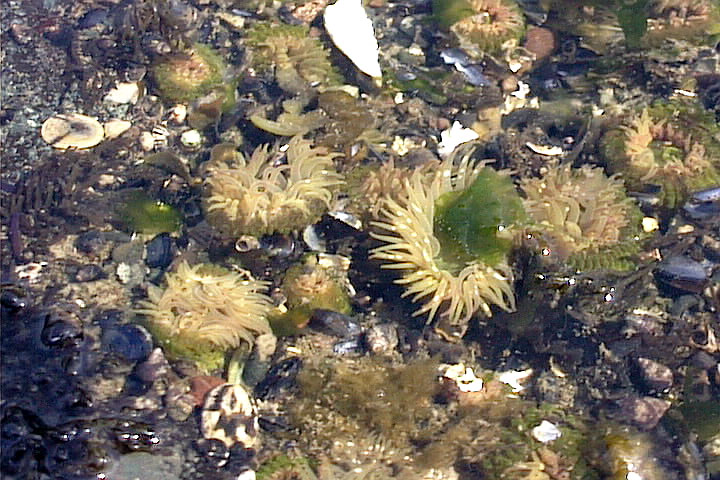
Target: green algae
{"x": 469, "y": 224}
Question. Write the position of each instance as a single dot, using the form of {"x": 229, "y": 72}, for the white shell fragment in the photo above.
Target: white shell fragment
{"x": 546, "y": 432}
{"x": 454, "y": 136}
{"x": 124, "y": 92}
{"x": 549, "y": 150}
{"x": 116, "y": 127}
{"x": 351, "y": 30}
{"x": 72, "y": 131}
{"x": 463, "y": 376}
{"x": 515, "y": 379}
{"x": 229, "y": 415}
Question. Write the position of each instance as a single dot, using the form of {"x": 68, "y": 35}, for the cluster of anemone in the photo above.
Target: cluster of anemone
{"x": 263, "y": 195}
{"x": 451, "y": 281}
{"x": 486, "y": 23}
{"x": 670, "y": 145}
{"x": 298, "y": 60}
{"x": 205, "y": 310}
{"x": 582, "y": 217}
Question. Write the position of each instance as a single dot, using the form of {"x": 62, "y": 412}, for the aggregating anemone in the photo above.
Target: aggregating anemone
{"x": 485, "y": 23}
{"x": 429, "y": 235}
{"x": 205, "y": 310}
{"x": 672, "y": 145}
{"x": 583, "y": 217}
{"x": 260, "y": 195}
{"x": 298, "y": 60}
{"x": 186, "y": 76}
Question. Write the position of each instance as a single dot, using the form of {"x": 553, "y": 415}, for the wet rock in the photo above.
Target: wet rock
{"x": 88, "y": 273}
{"x": 90, "y": 243}
{"x": 131, "y": 342}
{"x": 147, "y": 466}
{"x": 644, "y": 412}
{"x": 334, "y": 323}
{"x": 159, "y": 251}
{"x": 381, "y": 338}
{"x": 655, "y": 375}
{"x": 12, "y": 301}
{"x": 153, "y": 368}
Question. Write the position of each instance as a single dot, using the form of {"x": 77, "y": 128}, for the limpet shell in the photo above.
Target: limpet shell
{"x": 72, "y": 131}
{"x": 229, "y": 415}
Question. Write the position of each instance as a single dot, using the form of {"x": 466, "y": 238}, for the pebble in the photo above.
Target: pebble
{"x": 656, "y": 375}
{"x": 88, "y": 273}
{"x": 382, "y": 338}
{"x": 191, "y": 139}
{"x": 644, "y": 412}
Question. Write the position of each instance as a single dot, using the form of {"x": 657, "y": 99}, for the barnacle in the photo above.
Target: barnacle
{"x": 205, "y": 310}
{"x": 485, "y": 23}
{"x": 583, "y": 217}
{"x": 450, "y": 239}
{"x": 186, "y": 76}
{"x": 299, "y": 60}
{"x": 259, "y": 196}
{"x": 672, "y": 145}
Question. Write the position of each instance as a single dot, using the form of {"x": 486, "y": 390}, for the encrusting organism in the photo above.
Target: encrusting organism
{"x": 450, "y": 239}
{"x": 260, "y": 195}
{"x": 206, "y": 310}
{"x": 583, "y": 217}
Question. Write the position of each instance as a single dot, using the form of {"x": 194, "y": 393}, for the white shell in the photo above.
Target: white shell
{"x": 116, "y": 127}
{"x": 124, "y": 92}
{"x": 229, "y": 415}
{"x": 454, "y": 136}
{"x": 546, "y": 432}
{"x": 72, "y": 131}
{"x": 351, "y": 30}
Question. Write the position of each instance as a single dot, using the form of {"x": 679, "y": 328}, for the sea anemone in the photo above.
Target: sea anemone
{"x": 485, "y": 23}
{"x": 185, "y": 76}
{"x": 299, "y": 61}
{"x": 672, "y": 145}
{"x": 261, "y": 196}
{"x": 467, "y": 270}
{"x": 206, "y": 310}
{"x": 583, "y": 217}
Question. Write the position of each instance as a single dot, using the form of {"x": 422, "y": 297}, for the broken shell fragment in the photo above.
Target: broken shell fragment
{"x": 351, "y": 30}
{"x": 116, "y": 127}
{"x": 229, "y": 415}
{"x": 72, "y": 131}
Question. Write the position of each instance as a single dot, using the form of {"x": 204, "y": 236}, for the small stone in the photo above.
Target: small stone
{"x": 88, "y": 273}
{"x": 147, "y": 141}
{"x": 540, "y": 41}
{"x": 381, "y": 338}
{"x": 72, "y": 131}
{"x": 644, "y": 412}
{"x": 546, "y": 432}
{"x": 178, "y": 114}
{"x": 116, "y": 127}
{"x": 656, "y": 375}
{"x": 124, "y": 92}
{"x": 191, "y": 139}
